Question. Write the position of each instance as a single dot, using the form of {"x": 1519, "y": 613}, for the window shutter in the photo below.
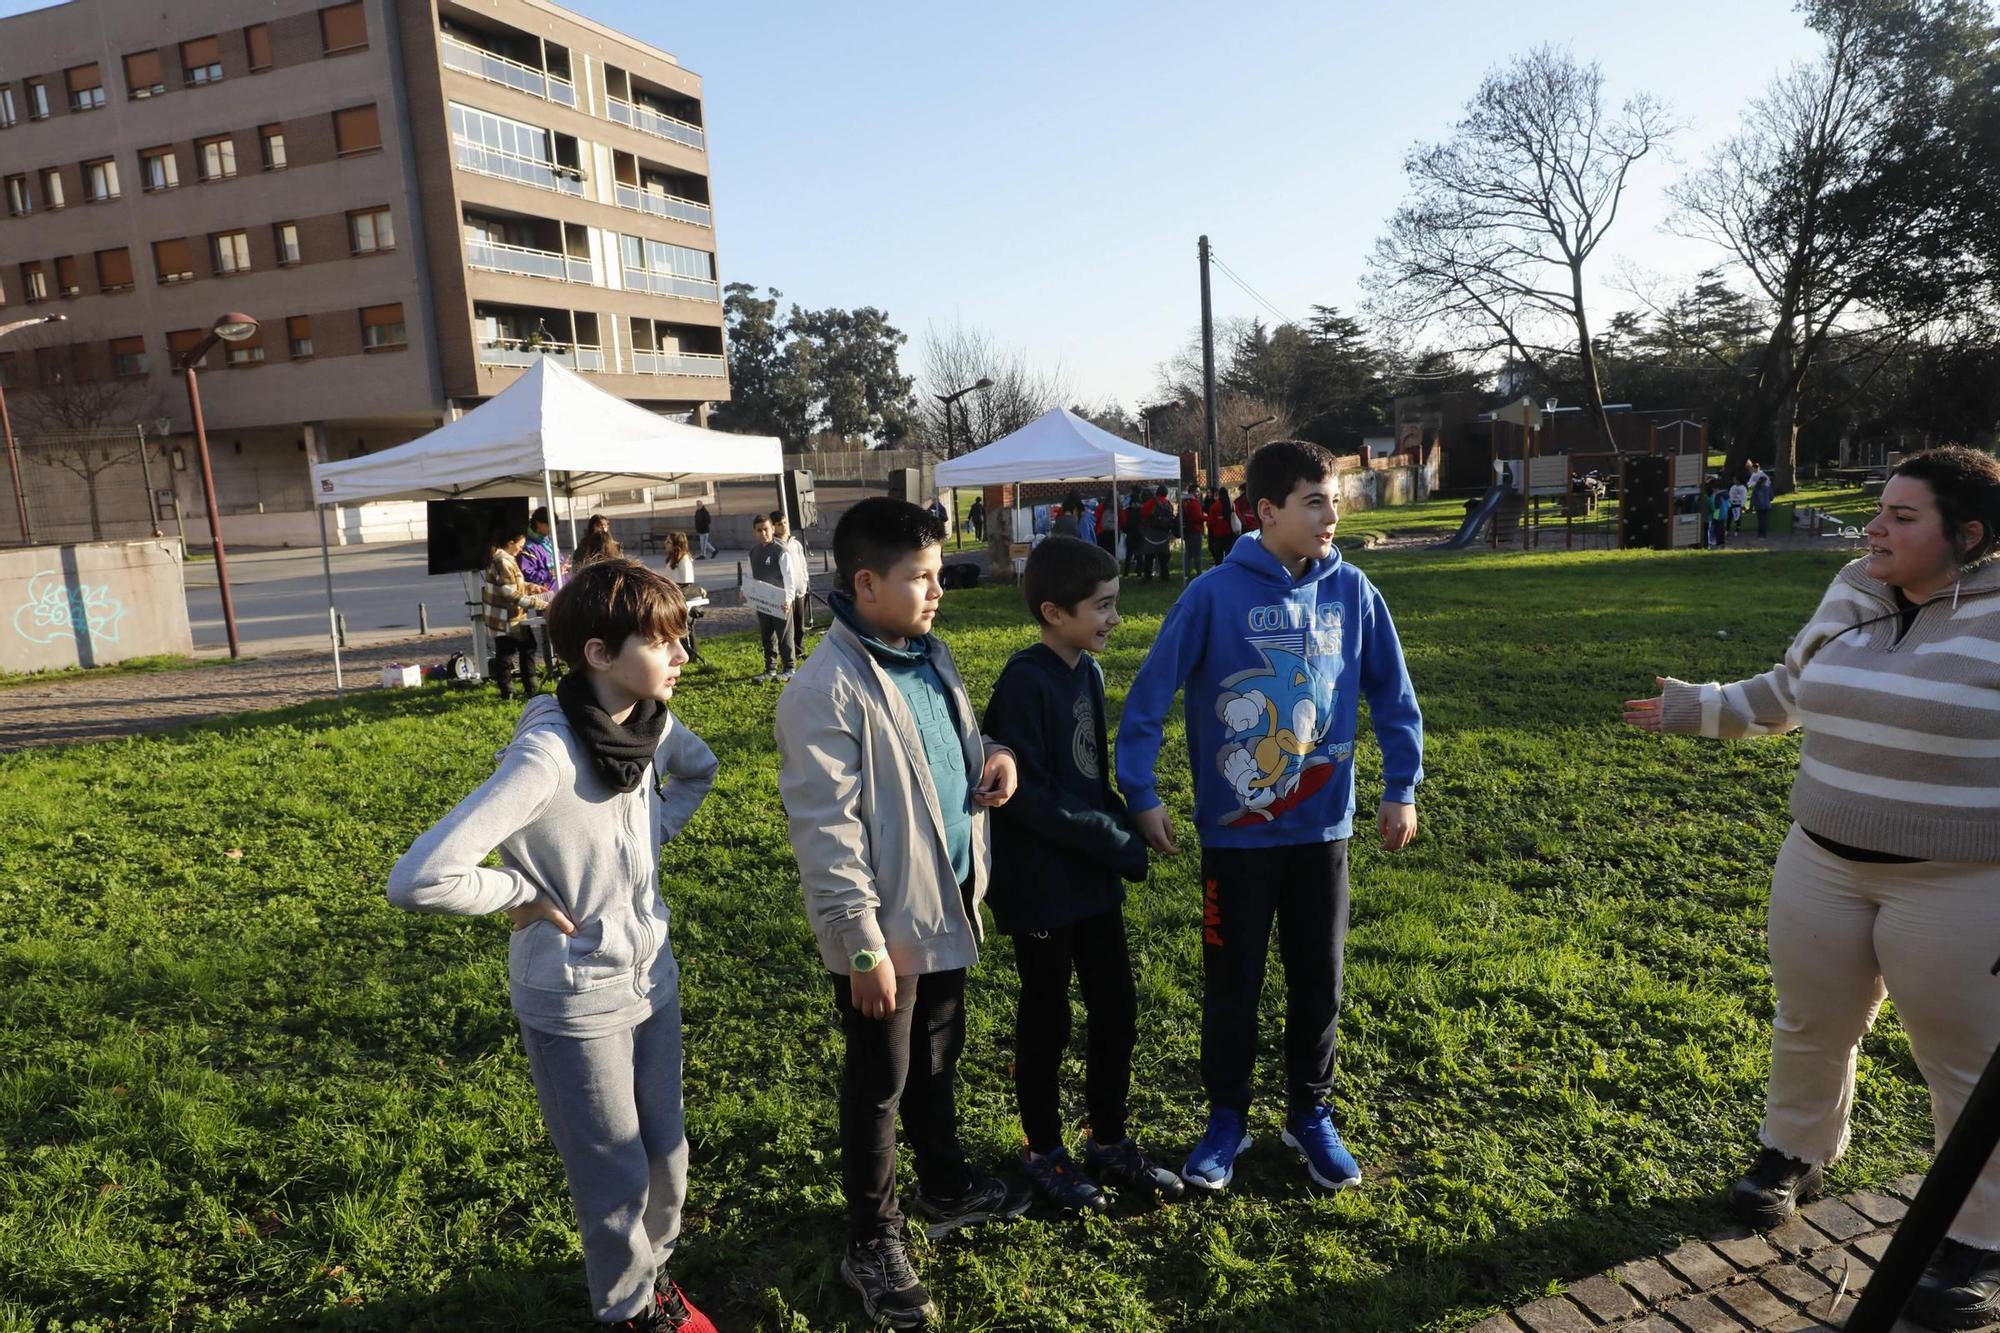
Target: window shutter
{"x": 343, "y": 27}
{"x": 379, "y": 316}
{"x": 83, "y": 77}
{"x": 114, "y": 268}
{"x": 257, "y": 37}
{"x": 356, "y": 130}
{"x": 199, "y": 52}
{"x": 143, "y": 71}
{"x": 172, "y": 257}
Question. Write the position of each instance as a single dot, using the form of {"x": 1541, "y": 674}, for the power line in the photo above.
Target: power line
{"x": 1250, "y": 291}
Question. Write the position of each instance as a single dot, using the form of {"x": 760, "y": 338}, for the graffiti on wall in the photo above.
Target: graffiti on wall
{"x": 55, "y": 610}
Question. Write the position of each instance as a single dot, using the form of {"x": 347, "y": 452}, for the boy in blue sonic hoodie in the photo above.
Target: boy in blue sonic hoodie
{"x": 1274, "y": 648}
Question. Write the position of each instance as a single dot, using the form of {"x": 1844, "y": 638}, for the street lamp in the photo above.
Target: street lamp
{"x": 233, "y": 327}
{"x": 7, "y": 427}
{"x": 948, "y": 399}
{"x": 1246, "y": 437}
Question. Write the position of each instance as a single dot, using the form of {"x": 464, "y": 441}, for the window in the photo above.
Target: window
{"x": 52, "y": 189}
{"x": 161, "y": 169}
{"x": 145, "y": 75}
{"x": 257, "y": 37}
{"x": 128, "y": 357}
{"x": 100, "y": 180}
{"x": 34, "y": 282}
{"x": 382, "y": 327}
{"x": 38, "y": 100}
{"x": 182, "y": 341}
{"x": 370, "y": 230}
{"x": 342, "y": 28}
{"x": 286, "y": 234}
{"x": 356, "y": 130}
{"x": 86, "y": 87}
{"x": 298, "y": 336}
{"x": 217, "y": 156}
{"x": 272, "y": 139}
{"x": 66, "y": 283}
{"x": 18, "y": 203}
{"x": 114, "y": 270}
{"x": 173, "y": 261}
{"x": 201, "y": 61}
{"x": 249, "y": 352}
{"x": 231, "y": 252}
{"x": 8, "y": 115}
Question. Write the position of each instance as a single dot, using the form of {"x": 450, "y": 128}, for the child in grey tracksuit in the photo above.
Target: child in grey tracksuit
{"x": 593, "y": 783}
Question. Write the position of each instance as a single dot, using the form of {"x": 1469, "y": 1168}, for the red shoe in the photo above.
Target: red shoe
{"x": 675, "y": 1311}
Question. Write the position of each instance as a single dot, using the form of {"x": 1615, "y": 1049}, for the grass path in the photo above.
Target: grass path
{"x": 239, "y": 1091}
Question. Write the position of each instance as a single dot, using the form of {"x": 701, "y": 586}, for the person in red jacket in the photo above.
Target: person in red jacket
{"x": 1246, "y": 513}
{"x": 1194, "y": 521}
{"x": 1221, "y": 535}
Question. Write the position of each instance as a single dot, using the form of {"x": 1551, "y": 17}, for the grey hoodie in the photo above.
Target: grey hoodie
{"x": 562, "y": 831}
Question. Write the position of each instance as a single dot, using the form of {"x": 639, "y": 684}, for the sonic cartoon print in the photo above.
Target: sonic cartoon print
{"x": 1275, "y": 716}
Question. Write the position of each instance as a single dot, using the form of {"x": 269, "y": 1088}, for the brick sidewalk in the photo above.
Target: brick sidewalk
{"x": 1784, "y": 1281}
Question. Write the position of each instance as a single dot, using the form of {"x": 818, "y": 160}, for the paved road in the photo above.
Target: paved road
{"x": 280, "y": 596}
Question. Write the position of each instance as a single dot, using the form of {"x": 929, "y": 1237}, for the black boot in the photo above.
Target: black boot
{"x": 1774, "y": 1189}
{"x": 1960, "y": 1289}
{"x": 497, "y": 670}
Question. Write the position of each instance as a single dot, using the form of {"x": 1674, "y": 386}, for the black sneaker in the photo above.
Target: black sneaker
{"x": 880, "y": 1270}
{"x": 1774, "y": 1189}
{"x": 1056, "y": 1176}
{"x": 989, "y": 1199}
{"x": 1125, "y": 1165}
{"x": 1960, "y": 1289}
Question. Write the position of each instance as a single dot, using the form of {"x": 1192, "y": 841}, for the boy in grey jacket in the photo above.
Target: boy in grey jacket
{"x": 886, "y": 781}
{"x": 597, "y": 778}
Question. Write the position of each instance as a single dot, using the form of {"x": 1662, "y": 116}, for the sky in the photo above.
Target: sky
{"x": 1041, "y": 170}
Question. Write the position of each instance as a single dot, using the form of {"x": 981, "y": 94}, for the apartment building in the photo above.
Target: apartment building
{"x": 414, "y": 198}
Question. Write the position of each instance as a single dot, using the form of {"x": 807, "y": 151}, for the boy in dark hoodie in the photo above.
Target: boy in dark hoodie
{"x": 1275, "y": 647}
{"x": 1060, "y": 848}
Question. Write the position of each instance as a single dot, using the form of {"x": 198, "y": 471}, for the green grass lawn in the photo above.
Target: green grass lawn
{"x": 131, "y": 666}
{"x": 239, "y": 1091}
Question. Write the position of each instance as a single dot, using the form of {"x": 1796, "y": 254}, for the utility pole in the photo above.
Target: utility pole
{"x": 1212, "y": 453}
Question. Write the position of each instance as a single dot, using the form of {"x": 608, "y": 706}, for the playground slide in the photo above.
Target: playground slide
{"x": 1475, "y": 521}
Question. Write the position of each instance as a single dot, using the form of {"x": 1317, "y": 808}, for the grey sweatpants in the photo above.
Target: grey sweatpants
{"x": 613, "y": 1106}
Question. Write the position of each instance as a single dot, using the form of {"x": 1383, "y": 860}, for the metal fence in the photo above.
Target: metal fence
{"x": 85, "y": 486}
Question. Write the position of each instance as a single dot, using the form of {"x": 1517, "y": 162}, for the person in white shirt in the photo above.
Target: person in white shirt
{"x": 1739, "y": 500}
{"x": 680, "y": 571}
{"x": 798, "y": 577}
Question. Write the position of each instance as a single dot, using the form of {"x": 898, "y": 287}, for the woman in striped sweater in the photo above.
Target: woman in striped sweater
{"x": 1890, "y": 877}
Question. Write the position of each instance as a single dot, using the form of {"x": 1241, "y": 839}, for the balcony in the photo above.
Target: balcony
{"x": 679, "y": 363}
{"x": 500, "y": 258}
{"x": 469, "y": 59}
{"x": 671, "y": 284}
{"x": 652, "y": 122}
{"x": 665, "y": 205}
{"x": 518, "y": 352}
{"x": 485, "y": 161}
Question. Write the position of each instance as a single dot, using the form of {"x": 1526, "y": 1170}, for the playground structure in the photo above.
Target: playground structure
{"x": 1598, "y": 499}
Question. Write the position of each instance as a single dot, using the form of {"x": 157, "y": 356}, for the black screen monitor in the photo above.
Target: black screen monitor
{"x": 459, "y": 529}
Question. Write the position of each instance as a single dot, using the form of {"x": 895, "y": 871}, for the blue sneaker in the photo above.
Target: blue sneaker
{"x": 1327, "y": 1160}
{"x": 1212, "y": 1164}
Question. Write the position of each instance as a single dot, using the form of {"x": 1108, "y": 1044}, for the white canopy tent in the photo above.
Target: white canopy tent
{"x": 1059, "y": 445}
{"x": 549, "y": 433}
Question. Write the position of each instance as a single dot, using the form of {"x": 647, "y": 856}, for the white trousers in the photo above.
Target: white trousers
{"x": 1843, "y": 933}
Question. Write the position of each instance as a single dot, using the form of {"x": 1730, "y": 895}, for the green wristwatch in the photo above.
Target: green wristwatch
{"x": 867, "y": 960}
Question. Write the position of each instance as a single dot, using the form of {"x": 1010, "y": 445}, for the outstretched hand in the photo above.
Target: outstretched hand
{"x": 1645, "y": 713}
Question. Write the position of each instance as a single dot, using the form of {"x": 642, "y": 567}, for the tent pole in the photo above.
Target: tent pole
{"x": 332, "y": 625}
{"x": 549, "y": 499}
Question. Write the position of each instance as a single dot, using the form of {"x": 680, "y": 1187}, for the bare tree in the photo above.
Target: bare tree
{"x": 958, "y": 355}
{"x": 1504, "y": 217}
{"x": 1844, "y": 195}
{"x": 70, "y": 420}
{"x": 1242, "y": 422}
